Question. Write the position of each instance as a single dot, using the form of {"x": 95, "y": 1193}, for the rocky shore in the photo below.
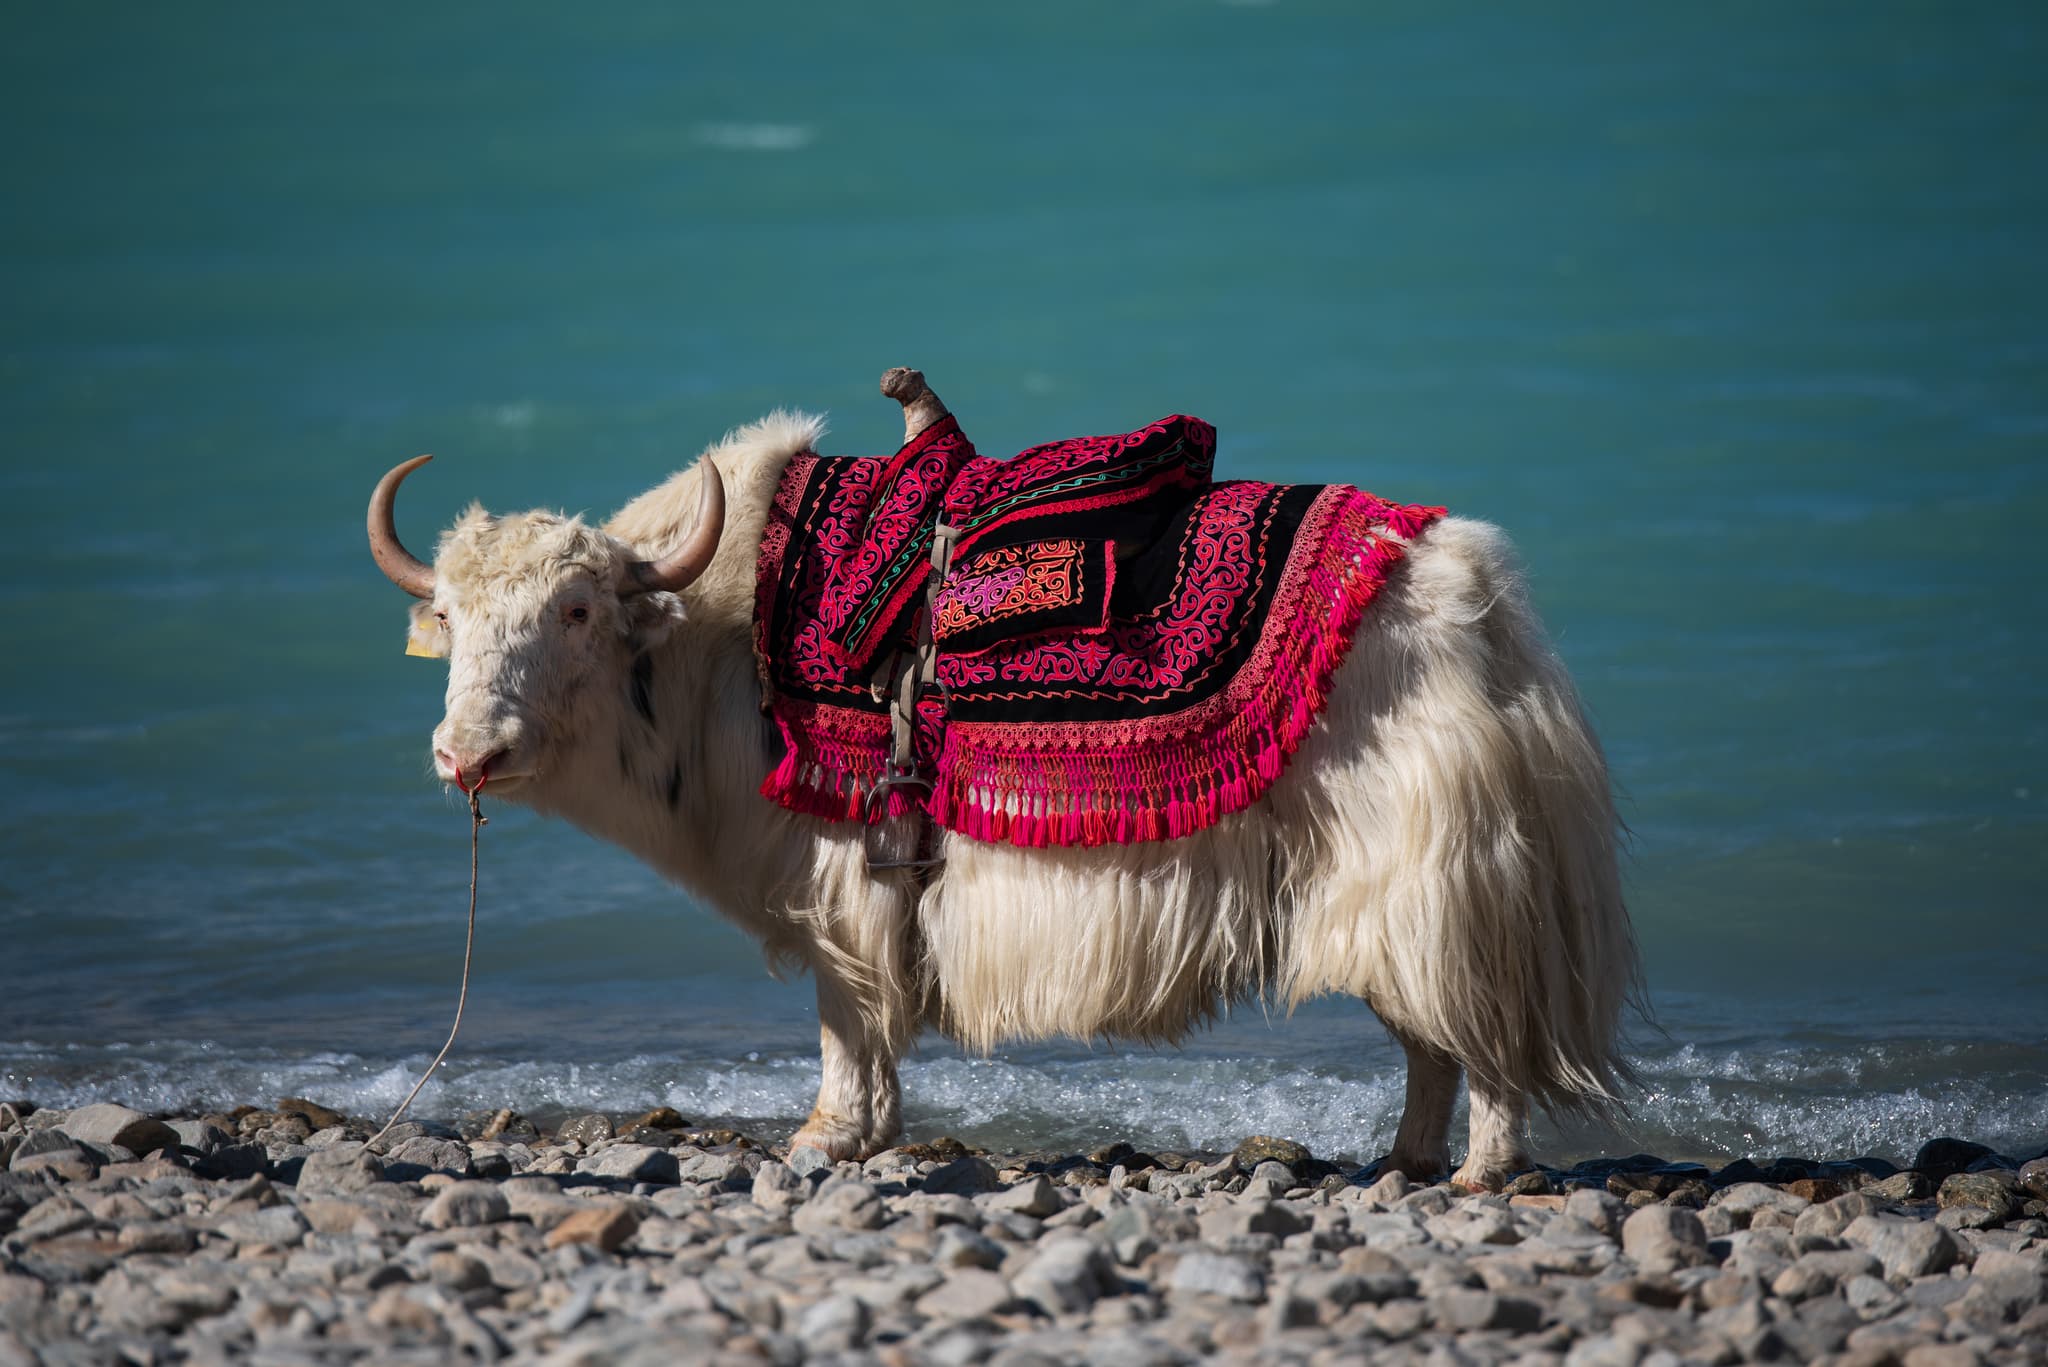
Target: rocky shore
{"x": 278, "y": 1236}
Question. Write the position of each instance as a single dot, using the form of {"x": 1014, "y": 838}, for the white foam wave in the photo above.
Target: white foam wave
{"x": 1698, "y": 1103}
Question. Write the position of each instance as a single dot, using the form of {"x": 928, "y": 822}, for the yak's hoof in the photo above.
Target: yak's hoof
{"x": 834, "y": 1142}
{"x": 1488, "y": 1176}
{"x": 1415, "y": 1168}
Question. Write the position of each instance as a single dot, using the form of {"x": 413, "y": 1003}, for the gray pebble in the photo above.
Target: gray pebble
{"x": 1665, "y": 1238}
{"x": 1596, "y": 1209}
{"x": 1034, "y": 1196}
{"x": 1907, "y": 1248}
{"x": 1217, "y": 1274}
{"x": 841, "y": 1204}
{"x": 776, "y": 1187}
{"x": 967, "y": 1293}
{"x": 462, "y": 1204}
{"x": 279, "y": 1225}
{"x": 632, "y": 1163}
{"x": 340, "y": 1168}
{"x": 807, "y": 1160}
{"x": 959, "y": 1246}
{"x": 108, "y": 1124}
{"x": 968, "y": 1176}
{"x": 1066, "y": 1274}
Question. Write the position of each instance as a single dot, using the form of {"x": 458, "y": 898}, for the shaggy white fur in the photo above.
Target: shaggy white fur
{"x": 1442, "y": 846}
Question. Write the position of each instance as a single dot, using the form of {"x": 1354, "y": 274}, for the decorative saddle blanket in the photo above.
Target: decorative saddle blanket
{"x": 1125, "y": 650}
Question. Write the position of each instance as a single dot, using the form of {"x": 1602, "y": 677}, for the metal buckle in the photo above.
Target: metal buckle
{"x": 886, "y": 843}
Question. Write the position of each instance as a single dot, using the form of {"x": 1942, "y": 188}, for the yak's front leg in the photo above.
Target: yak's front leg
{"x": 1422, "y": 1145}
{"x": 859, "y": 1103}
{"x": 885, "y": 1102}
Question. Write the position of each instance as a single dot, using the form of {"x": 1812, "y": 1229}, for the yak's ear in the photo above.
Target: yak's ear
{"x": 650, "y": 617}
{"x": 428, "y": 636}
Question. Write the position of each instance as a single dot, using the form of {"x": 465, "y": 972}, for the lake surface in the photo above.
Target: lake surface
{"x": 1736, "y": 318}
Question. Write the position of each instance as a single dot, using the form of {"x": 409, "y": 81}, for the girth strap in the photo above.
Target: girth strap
{"x": 916, "y": 670}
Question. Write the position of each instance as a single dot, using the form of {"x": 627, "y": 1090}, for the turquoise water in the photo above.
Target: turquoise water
{"x": 1735, "y": 318}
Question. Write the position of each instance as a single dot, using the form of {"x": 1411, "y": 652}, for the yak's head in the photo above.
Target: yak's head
{"x": 540, "y": 618}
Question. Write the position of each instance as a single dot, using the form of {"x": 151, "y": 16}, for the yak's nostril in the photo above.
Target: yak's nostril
{"x": 466, "y": 768}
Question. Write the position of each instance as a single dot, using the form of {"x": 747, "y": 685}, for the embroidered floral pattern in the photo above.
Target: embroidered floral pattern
{"x": 999, "y": 595}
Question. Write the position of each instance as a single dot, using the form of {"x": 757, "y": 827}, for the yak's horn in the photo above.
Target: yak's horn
{"x": 921, "y": 407}
{"x": 400, "y": 565}
{"x": 694, "y": 556}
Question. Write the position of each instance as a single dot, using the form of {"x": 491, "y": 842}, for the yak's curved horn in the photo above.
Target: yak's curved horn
{"x": 694, "y": 555}
{"x": 400, "y": 565}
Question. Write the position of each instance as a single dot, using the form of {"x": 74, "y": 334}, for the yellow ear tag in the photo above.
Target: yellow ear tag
{"x": 427, "y": 638}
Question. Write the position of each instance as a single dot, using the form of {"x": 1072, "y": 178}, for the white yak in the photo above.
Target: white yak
{"x": 1442, "y": 845}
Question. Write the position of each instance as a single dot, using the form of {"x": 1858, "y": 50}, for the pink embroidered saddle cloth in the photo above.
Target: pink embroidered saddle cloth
{"x": 1126, "y": 650}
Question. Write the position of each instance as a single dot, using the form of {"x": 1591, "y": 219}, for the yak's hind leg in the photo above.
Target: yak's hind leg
{"x": 1422, "y": 1144}
{"x": 1500, "y": 1120}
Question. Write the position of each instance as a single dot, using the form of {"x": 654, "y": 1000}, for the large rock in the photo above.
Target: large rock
{"x": 2003, "y": 1287}
{"x": 727, "y": 1169}
{"x": 1251, "y": 1217}
{"x": 317, "y": 1117}
{"x": 841, "y": 1204}
{"x": 200, "y": 1136}
{"x": 1745, "y": 1199}
{"x": 426, "y": 1153}
{"x": 959, "y": 1246}
{"x": 776, "y": 1187}
{"x": 464, "y": 1204}
{"x": 968, "y": 1176}
{"x": 1907, "y": 1248}
{"x": 1460, "y": 1311}
{"x": 967, "y": 1293}
{"x": 67, "y": 1164}
{"x": 838, "y": 1323}
{"x": 281, "y": 1226}
{"x": 1997, "y": 1193}
{"x": 1137, "y": 1230}
{"x": 1821, "y": 1272}
{"x": 1596, "y": 1208}
{"x": 1034, "y": 1196}
{"x": 1902, "y": 1186}
{"x": 1219, "y": 1274}
{"x": 805, "y": 1160}
{"x": 632, "y": 1163}
{"x": 1065, "y": 1275}
{"x": 106, "y": 1123}
{"x": 342, "y": 1168}
{"x": 603, "y": 1226}
{"x": 1389, "y": 1188}
{"x": 1830, "y": 1218}
{"x": 2034, "y": 1177}
{"x": 587, "y": 1129}
{"x": 1665, "y": 1238}
{"x": 1941, "y": 1158}
{"x": 1263, "y": 1148}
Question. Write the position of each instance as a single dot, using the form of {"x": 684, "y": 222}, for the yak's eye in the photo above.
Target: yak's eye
{"x": 579, "y": 613}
